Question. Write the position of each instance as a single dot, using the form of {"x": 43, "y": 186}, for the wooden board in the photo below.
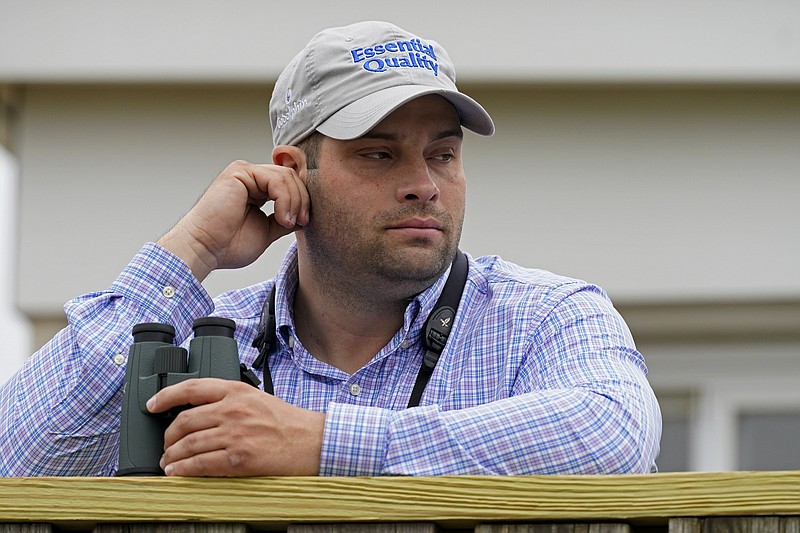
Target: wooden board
{"x": 448, "y": 501}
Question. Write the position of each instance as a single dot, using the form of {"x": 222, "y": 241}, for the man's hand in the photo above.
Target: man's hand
{"x": 228, "y": 229}
{"x": 236, "y": 430}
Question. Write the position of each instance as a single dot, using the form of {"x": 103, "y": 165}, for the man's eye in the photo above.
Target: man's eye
{"x": 377, "y": 155}
{"x": 444, "y": 158}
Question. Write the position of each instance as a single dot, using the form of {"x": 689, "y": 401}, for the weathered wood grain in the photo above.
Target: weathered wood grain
{"x": 554, "y": 528}
{"x": 26, "y": 528}
{"x": 685, "y": 525}
{"x": 736, "y": 524}
{"x": 170, "y": 528}
{"x": 363, "y": 528}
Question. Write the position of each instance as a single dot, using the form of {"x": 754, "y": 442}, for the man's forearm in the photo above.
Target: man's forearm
{"x": 60, "y": 414}
{"x": 568, "y": 431}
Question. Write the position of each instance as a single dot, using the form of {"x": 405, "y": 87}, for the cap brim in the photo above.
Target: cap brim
{"x": 359, "y": 117}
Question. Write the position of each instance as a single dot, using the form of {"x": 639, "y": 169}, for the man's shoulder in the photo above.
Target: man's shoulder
{"x": 507, "y": 287}
{"x": 497, "y": 272}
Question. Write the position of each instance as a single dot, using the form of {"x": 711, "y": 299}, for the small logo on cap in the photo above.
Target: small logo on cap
{"x": 291, "y": 110}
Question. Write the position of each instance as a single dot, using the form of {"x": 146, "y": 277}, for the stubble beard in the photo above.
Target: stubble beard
{"x": 344, "y": 254}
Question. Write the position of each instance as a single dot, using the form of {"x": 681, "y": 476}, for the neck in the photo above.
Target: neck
{"x": 341, "y": 326}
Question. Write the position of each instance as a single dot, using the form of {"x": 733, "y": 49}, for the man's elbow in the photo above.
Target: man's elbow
{"x": 638, "y": 440}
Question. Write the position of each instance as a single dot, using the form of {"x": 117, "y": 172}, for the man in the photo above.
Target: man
{"x": 539, "y": 374}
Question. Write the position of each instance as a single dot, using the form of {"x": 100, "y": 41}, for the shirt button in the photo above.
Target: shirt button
{"x": 119, "y": 359}
{"x": 404, "y": 344}
{"x": 355, "y": 390}
{"x": 168, "y": 291}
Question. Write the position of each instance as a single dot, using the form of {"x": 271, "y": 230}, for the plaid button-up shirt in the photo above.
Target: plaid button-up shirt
{"x": 540, "y": 376}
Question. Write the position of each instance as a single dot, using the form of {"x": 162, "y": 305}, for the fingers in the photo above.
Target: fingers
{"x": 226, "y": 228}
{"x": 282, "y": 185}
{"x": 212, "y": 463}
{"x": 200, "y": 453}
{"x": 196, "y": 442}
{"x": 190, "y": 392}
{"x": 236, "y": 429}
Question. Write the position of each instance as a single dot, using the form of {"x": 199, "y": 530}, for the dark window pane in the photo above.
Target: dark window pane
{"x": 768, "y": 441}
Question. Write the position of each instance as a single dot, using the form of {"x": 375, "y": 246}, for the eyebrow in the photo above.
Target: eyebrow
{"x": 459, "y": 133}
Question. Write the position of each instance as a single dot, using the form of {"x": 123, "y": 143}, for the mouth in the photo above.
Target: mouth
{"x": 418, "y": 223}
{"x": 417, "y": 227}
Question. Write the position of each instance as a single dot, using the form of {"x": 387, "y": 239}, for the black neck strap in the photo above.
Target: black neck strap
{"x": 434, "y": 334}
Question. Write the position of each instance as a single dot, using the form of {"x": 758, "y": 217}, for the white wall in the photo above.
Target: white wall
{"x": 14, "y": 328}
{"x": 656, "y": 194}
{"x": 535, "y": 41}
{"x": 651, "y": 147}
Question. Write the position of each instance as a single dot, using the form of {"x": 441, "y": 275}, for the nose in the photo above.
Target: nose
{"x": 417, "y": 183}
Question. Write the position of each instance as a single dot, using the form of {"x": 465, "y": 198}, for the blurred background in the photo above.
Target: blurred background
{"x": 650, "y": 147}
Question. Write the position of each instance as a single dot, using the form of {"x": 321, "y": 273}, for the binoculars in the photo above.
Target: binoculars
{"x": 155, "y": 362}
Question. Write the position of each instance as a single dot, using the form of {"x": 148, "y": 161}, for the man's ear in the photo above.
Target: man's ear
{"x": 293, "y": 157}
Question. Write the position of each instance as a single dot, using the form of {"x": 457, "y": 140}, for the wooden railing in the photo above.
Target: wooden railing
{"x": 681, "y": 503}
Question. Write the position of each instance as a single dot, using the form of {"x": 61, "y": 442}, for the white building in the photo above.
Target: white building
{"x": 650, "y": 147}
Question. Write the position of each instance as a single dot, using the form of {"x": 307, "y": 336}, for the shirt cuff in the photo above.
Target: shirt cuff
{"x": 354, "y": 441}
{"x": 163, "y": 285}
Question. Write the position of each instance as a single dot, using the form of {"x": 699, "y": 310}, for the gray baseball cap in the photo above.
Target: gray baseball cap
{"x": 348, "y": 79}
